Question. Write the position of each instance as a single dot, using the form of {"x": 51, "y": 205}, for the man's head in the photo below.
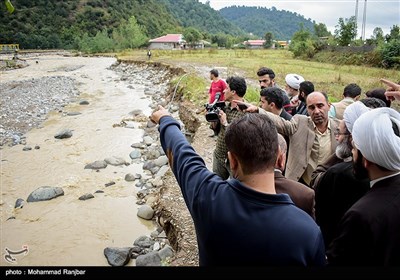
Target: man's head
{"x": 235, "y": 86}
{"x": 380, "y": 94}
{"x": 214, "y": 74}
{"x": 373, "y": 102}
{"x": 252, "y": 140}
{"x": 293, "y": 83}
{"x": 352, "y": 91}
{"x": 376, "y": 142}
{"x": 343, "y": 137}
{"x": 305, "y": 89}
{"x": 272, "y": 99}
{"x": 318, "y": 107}
{"x": 266, "y": 77}
{"x": 281, "y": 159}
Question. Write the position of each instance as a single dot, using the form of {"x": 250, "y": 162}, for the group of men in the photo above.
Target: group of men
{"x": 291, "y": 184}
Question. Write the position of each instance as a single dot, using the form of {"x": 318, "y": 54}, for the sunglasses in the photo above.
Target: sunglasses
{"x": 337, "y": 133}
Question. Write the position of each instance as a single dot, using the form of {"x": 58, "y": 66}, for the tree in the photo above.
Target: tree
{"x": 320, "y": 30}
{"x": 394, "y": 33}
{"x": 302, "y": 44}
{"x": 346, "y": 30}
{"x": 377, "y": 35}
{"x": 129, "y": 35}
{"x": 192, "y": 35}
{"x": 268, "y": 40}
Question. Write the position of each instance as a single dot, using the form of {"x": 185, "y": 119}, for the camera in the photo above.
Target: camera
{"x": 213, "y": 109}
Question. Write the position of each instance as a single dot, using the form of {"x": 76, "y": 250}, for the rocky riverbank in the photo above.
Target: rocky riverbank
{"x": 28, "y": 103}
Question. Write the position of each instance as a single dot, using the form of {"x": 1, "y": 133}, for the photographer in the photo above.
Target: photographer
{"x": 235, "y": 90}
{"x": 217, "y": 88}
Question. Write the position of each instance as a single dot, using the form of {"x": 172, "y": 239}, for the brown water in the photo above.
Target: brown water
{"x": 65, "y": 230}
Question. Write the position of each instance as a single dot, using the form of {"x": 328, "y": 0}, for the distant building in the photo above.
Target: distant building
{"x": 280, "y": 44}
{"x": 254, "y": 44}
{"x": 168, "y": 42}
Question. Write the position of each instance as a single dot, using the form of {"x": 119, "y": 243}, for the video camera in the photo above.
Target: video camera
{"x": 213, "y": 108}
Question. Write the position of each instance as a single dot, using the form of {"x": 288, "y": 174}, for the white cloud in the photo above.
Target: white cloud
{"x": 380, "y": 13}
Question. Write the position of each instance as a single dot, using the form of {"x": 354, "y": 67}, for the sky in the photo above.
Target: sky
{"x": 379, "y": 13}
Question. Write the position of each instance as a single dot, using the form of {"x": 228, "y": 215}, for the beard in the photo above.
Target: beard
{"x": 343, "y": 150}
{"x": 360, "y": 172}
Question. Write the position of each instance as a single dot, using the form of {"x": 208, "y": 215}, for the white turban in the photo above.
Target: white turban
{"x": 353, "y": 112}
{"x": 294, "y": 80}
{"x": 374, "y": 136}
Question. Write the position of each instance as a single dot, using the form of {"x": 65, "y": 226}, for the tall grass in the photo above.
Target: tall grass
{"x": 326, "y": 77}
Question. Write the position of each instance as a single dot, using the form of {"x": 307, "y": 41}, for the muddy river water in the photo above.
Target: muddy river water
{"x": 66, "y": 231}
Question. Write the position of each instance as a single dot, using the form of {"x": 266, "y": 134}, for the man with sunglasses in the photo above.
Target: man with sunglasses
{"x": 336, "y": 187}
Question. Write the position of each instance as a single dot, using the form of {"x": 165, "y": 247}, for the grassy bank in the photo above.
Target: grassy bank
{"x": 326, "y": 77}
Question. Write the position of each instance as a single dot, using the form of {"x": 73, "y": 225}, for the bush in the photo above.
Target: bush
{"x": 390, "y": 53}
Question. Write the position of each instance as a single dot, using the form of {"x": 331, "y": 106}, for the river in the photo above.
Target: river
{"x": 66, "y": 231}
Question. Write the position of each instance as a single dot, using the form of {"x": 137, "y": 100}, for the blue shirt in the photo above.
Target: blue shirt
{"x": 236, "y": 225}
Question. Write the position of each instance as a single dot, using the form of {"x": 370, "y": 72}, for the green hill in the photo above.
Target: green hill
{"x": 50, "y": 24}
{"x": 201, "y": 16}
{"x": 55, "y": 24}
{"x": 258, "y": 21}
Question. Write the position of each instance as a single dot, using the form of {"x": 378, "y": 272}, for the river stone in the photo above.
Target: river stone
{"x": 130, "y": 177}
{"x": 163, "y": 160}
{"x": 135, "y": 154}
{"x": 86, "y": 196}
{"x": 19, "y": 203}
{"x": 148, "y": 140}
{"x": 118, "y": 256}
{"x": 115, "y": 161}
{"x": 99, "y": 164}
{"x": 66, "y": 133}
{"x": 144, "y": 242}
{"x": 150, "y": 259}
{"x": 84, "y": 102}
{"x": 73, "y": 113}
{"x": 45, "y": 193}
{"x": 145, "y": 212}
{"x": 166, "y": 252}
{"x": 162, "y": 171}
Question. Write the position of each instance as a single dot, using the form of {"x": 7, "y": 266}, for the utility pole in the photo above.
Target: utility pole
{"x": 356, "y": 16}
{"x": 364, "y": 21}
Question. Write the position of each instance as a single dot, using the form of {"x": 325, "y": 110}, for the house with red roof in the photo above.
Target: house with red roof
{"x": 254, "y": 44}
{"x": 168, "y": 42}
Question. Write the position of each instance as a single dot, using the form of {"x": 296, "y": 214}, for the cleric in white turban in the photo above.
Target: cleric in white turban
{"x": 352, "y": 113}
{"x": 368, "y": 234}
{"x": 374, "y": 134}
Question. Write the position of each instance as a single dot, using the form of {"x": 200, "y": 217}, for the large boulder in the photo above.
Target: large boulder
{"x": 45, "y": 193}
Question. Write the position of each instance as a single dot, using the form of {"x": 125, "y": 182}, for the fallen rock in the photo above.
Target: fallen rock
{"x": 99, "y": 164}
{"x": 45, "y": 193}
{"x": 150, "y": 259}
{"x": 19, "y": 203}
{"x": 145, "y": 212}
{"x": 118, "y": 256}
{"x": 66, "y": 133}
{"x": 86, "y": 196}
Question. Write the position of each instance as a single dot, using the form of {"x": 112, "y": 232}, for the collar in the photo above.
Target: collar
{"x": 373, "y": 182}
{"x": 315, "y": 127}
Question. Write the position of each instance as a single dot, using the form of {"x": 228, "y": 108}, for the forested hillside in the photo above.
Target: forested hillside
{"x": 119, "y": 24}
{"x": 257, "y": 20}
{"x": 200, "y": 16}
{"x": 55, "y": 24}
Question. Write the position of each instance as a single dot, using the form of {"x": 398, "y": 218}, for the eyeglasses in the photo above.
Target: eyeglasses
{"x": 337, "y": 133}
{"x": 263, "y": 81}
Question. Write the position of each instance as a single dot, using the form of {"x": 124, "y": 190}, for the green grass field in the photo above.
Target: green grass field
{"x": 326, "y": 77}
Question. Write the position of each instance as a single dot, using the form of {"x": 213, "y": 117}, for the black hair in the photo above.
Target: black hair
{"x": 266, "y": 71}
{"x": 373, "y": 102}
{"x": 238, "y": 84}
{"x": 214, "y": 72}
{"x": 379, "y": 93}
{"x": 306, "y": 87}
{"x": 352, "y": 90}
{"x": 274, "y": 94}
{"x": 254, "y": 140}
